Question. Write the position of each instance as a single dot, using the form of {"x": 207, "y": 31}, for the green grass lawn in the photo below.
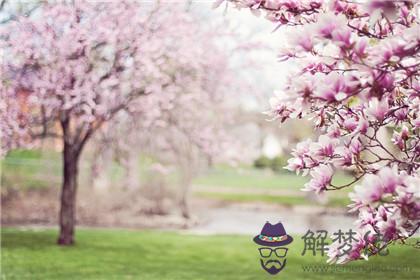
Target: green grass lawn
{"x": 28, "y": 169}
{"x": 35, "y": 169}
{"x": 125, "y": 254}
{"x": 264, "y": 180}
{"x": 248, "y": 177}
{"x": 31, "y": 169}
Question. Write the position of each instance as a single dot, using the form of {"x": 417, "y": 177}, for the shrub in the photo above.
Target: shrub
{"x": 262, "y": 162}
{"x": 278, "y": 163}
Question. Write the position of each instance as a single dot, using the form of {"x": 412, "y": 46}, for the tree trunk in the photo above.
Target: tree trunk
{"x": 184, "y": 202}
{"x": 68, "y": 194}
{"x": 185, "y": 207}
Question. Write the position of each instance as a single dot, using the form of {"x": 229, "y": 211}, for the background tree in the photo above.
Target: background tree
{"x": 190, "y": 130}
{"x": 76, "y": 66}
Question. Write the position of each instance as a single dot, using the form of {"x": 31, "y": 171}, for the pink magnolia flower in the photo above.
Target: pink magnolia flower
{"x": 335, "y": 87}
{"x": 400, "y": 138}
{"x": 302, "y": 38}
{"x": 378, "y": 109}
{"x": 325, "y": 146}
{"x": 342, "y": 36}
{"x": 389, "y": 179}
{"x": 384, "y": 81}
{"x": 302, "y": 148}
{"x": 397, "y": 140}
{"x": 366, "y": 217}
{"x": 357, "y": 248}
{"x": 405, "y": 133}
{"x": 369, "y": 232}
{"x": 408, "y": 198}
{"x": 301, "y": 157}
{"x": 333, "y": 131}
{"x": 316, "y": 67}
{"x": 417, "y": 122}
{"x": 374, "y": 187}
{"x": 350, "y": 124}
{"x": 295, "y": 164}
{"x": 393, "y": 49}
{"x": 303, "y": 87}
{"x": 273, "y": 4}
{"x": 401, "y": 114}
{"x": 355, "y": 146}
{"x": 328, "y": 23}
{"x": 385, "y": 6}
{"x": 321, "y": 178}
{"x": 362, "y": 126}
{"x": 369, "y": 192}
{"x": 391, "y": 227}
{"x": 382, "y": 214}
{"x": 335, "y": 254}
{"x": 360, "y": 49}
{"x": 345, "y": 156}
{"x": 412, "y": 184}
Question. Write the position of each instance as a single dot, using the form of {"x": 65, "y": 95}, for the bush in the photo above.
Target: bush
{"x": 278, "y": 163}
{"x": 262, "y": 162}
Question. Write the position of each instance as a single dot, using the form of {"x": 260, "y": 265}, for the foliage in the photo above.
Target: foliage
{"x": 278, "y": 163}
{"x": 262, "y": 162}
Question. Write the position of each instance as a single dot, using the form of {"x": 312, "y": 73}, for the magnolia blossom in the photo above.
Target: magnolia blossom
{"x": 377, "y": 109}
{"x": 336, "y": 252}
{"x": 321, "y": 178}
{"x": 335, "y": 87}
{"x": 325, "y": 146}
{"x": 367, "y": 195}
{"x": 400, "y": 138}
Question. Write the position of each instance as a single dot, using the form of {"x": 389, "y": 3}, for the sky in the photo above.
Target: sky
{"x": 271, "y": 74}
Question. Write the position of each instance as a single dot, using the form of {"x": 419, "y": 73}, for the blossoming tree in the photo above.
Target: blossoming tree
{"x": 359, "y": 78}
{"x": 189, "y": 125}
{"x": 75, "y": 66}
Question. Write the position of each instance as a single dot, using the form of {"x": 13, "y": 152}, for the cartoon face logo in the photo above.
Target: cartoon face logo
{"x": 272, "y": 240}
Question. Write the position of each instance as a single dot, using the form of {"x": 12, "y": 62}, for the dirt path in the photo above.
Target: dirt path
{"x": 248, "y": 218}
{"x": 211, "y": 216}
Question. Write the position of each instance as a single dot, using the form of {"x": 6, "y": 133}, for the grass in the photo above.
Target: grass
{"x": 28, "y": 169}
{"x": 247, "y": 177}
{"x": 257, "y": 179}
{"x": 36, "y": 169}
{"x": 288, "y": 200}
{"x": 31, "y": 169}
{"x": 125, "y": 254}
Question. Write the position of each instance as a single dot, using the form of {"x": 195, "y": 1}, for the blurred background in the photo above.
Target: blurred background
{"x": 218, "y": 174}
{"x": 158, "y": 177}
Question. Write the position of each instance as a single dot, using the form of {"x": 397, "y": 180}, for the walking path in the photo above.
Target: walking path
{"x": 249, "y": 218}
